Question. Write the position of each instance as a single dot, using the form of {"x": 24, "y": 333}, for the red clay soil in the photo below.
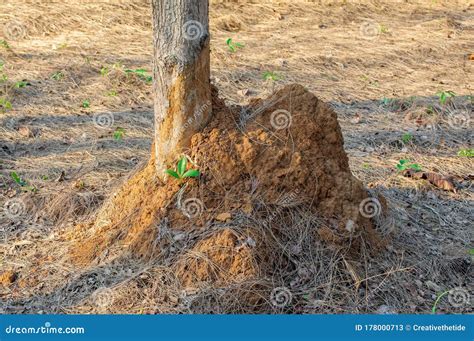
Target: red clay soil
{"x": 241, "y": 165}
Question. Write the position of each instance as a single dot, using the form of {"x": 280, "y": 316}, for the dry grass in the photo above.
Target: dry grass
{"x": 48, "y": 138}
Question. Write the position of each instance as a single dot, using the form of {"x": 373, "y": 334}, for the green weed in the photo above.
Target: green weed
{"x": 233, "y": 46}
{"x": 119, "y": 133}
{"x": 57, "y": 76}
{"x": 181, "y": 172}
{"x": 405, "y": 164}
{"x": 466, "y": 152}
{"x": 141, "y": 73}
{"x": 444, "y": 96}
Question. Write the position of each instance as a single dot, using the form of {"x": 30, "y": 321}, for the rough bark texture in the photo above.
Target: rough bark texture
{"x": 182, "y": 93}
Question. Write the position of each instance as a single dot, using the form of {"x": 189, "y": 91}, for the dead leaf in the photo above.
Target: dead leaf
{"x": 437, "y": 180}
{"x": 223, "y": 216}
{"x": 352, "y": 271}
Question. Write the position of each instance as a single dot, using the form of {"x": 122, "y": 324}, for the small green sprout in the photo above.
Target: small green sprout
{"x": 444, "y": 96}
{"x": 4, "y": 44}
{"x": 119, "y": 133}
{"x": 433, "y": 309}
{"x": 58, "y": 75}
{"x": 86, "y": 103}
{"x": 405, "y": 165}
{"x": 407, "y": 137}
{"x": 104, "y": 71}
{"x": 141, "y": 73}
{"x": 269, "y": 75}
{"x": 466, "y": 152}
{"x": 22, "y": 183}
{"x": 383, "y": 28}
{"x": 181, "y": 172}
{"x": 17, "y": 179}
{"x": 386, "y": 101}
{"x": 112, "y": 93}
{"x": 233, "y": 46}
{"x": 5, "y": 104}
{"x": 21, "y": 84}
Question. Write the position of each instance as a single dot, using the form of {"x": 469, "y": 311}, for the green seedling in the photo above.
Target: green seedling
{"x": 269, "y": 75}
{"x": 86, "y": 103}
{"x": 119, "y": 133}
{"x": 386, "y": 101}
{"x": 22, "y": 183}
{"x": 17, "y": 179}
{"x": 58, "y": 75}
{"x": 21, "y": 84}
{"x": 433, "y": 309}
{"x": 233, "y": 46}
{"x": 112, "y": 93}
{"x": 407, "y": 137}
{"x": 383, "y": 29}
{"x": 466, "y": 152}
{"x": 444, "y": 96}
{"x": 405, "y": 165}
{"x": 4, "y": 44}
{"x": 181, "y": 172}
{"x": 5, "y": 104}
{"x": 142, "y": 74}
{"x": 104, "y": 71}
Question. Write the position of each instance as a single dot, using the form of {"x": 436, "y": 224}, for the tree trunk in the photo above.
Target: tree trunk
{"x": 181, "y": 70}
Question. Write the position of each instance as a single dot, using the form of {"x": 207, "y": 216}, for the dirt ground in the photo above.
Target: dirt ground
{"x": 80, "y": 124}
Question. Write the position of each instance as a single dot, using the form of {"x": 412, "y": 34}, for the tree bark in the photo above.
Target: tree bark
{"x": 181, "y": 70}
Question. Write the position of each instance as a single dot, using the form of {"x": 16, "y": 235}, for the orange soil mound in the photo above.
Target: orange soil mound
{"x": 221, "y": 259}
{"x": 276, "y": 153}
